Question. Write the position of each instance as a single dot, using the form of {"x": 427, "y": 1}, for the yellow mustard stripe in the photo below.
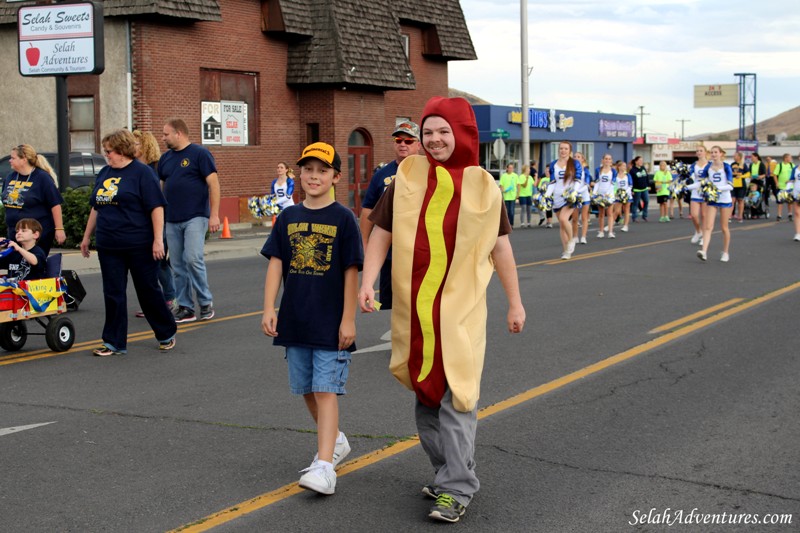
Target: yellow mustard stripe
{"x": 434, "y": 227}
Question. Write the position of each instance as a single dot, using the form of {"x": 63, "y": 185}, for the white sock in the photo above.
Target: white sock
{"x": 325, "y": 464}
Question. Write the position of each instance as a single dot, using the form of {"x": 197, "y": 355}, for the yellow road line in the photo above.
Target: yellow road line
{"x": 688, "y": 318}
{"x": 133, "y": 337}
{"x": 282, "y": 493}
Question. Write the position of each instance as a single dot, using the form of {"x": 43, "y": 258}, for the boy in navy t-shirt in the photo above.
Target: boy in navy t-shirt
{"x": 27, "y": 261}
{"x": 315, "y": 249}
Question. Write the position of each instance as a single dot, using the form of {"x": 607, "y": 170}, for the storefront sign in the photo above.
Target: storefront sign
{"x": 545, "y": 120}
{"x": 60, "y": 39}
{"x": 616, "y": 128}
{"x": 656, "y": 138}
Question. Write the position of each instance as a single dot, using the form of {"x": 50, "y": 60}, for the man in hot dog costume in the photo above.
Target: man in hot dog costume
{"x": 445, "y": 218}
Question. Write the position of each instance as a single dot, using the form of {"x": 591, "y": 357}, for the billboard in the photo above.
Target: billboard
{"x": 726, "y": 95}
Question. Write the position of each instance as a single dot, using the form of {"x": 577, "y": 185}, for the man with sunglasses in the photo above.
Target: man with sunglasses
{"x": 406, "y": 142}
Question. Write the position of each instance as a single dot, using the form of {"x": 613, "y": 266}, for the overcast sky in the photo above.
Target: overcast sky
{"x": 599, "y": 55}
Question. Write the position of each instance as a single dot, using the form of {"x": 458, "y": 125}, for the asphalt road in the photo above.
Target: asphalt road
{"x": 595, "y": 421}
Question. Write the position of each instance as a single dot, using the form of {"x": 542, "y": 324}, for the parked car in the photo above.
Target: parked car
{"x": 83, "y": 167}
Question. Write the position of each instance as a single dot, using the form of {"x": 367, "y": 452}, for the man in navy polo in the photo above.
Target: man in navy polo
{"x": 189, "y": 178}
{"x": 406, "y": 143}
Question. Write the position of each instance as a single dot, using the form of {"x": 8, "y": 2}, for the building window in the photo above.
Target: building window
{"x": 81, "y": 124}
{"x": 312, "y": 132}
{"x": 405, "y": 40}
{"x": 587, "y": 149}
{"x": 223, "y": 85}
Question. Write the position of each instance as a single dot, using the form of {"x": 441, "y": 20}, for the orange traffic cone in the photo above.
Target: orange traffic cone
{"x": 226, "y": 229}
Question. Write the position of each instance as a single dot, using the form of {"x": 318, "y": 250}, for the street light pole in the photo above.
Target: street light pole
{"x": 525, "y": 123}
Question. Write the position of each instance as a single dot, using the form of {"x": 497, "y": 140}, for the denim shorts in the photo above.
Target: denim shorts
{"x": 317, "y": 370}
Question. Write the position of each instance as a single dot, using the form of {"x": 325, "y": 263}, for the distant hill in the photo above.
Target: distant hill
{"x": 787, "y": 122}
{"x": 471, "y": 98}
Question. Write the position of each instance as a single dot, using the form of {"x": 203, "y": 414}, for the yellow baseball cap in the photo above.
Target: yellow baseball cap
{"x": 323, "y": 152}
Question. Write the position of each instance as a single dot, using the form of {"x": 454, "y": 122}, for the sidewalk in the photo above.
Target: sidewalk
{"x": 246, "y": 241}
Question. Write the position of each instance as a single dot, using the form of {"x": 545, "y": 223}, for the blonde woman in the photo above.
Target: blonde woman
{"x": 697, "y": 206}
{"x": 721, "y": 175}
{"x": 30, "y": 192}
{"x": 147, "y": 150}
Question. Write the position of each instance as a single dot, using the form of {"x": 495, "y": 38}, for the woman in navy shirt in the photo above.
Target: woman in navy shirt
{"x": 127, "y": 218}
{"x": 30, "y": 192}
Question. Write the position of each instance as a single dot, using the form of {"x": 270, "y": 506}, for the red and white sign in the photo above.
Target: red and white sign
{"x": 60, "y": 39}
{"x": 234, "y": 123}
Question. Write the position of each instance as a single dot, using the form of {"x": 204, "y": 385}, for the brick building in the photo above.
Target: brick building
{"x": 342, "y": 71}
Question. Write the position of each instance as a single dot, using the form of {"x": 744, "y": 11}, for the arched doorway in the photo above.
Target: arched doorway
{"x": 359, "y": 164}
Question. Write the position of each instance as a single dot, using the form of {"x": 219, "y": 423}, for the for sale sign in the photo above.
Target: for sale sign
{"x": 61, "y": 39}
{"x": 234, "y": 123}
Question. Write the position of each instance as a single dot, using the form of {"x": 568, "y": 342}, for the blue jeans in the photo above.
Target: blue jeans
{"x": 186, "y": 242}
{"x": 640, "y": 196}
{"x": 511, "y": 206}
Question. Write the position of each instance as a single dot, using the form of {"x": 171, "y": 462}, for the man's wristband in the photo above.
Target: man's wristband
{"x": 62, "y": 229}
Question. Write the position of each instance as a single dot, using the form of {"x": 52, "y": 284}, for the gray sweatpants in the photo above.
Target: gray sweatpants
{"x": 448, "y": 437}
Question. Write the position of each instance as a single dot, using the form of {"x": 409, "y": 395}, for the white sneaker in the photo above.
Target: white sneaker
{"x": 797, "y": 237}
{"x": 600, "y": 235}
{"x": 701, "y": 254}
{"x": 725, "y": 257}
{"x": 583, "y": 240}
{"x": 700, "y": 242}
{"x": 612, "y": 235}
{"x": 625, "y": 229}
{"x": 319, "y": 478}
{"x": 571, "y": 246}
{"x": 696, "y": 237}
{"x": 549, "y": 226}
{"x": 566, "y": 255}
{"x": 575, "y": 240}
{"x": 340, "y": 450}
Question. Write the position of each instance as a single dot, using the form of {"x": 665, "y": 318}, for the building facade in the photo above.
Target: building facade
{"x": 592, "y": 134}
{"x": 254, "y": 80}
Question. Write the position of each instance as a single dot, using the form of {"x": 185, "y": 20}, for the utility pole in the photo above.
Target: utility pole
{"x": 641, "y": 120}
{"x": 682, "y": 121}
{"x": 525, "y": 123}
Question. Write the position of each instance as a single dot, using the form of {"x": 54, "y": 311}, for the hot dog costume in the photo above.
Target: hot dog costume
{"x": 444, "y": 227}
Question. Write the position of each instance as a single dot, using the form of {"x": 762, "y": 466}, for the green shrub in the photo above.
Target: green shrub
{"x": 75, "y": 210}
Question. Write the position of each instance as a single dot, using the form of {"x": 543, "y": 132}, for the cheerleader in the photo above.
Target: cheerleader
{"x": 698, "y": 171}
{"x": 622, "y": 206}
{"x": 565, "y": 172}
{"x": 604, "y": 186}
{"x": 586, "y": 200}
{"x": 794, "y": 185}
{"x": 283, "y": 186}
{"x": 720, "y": 174}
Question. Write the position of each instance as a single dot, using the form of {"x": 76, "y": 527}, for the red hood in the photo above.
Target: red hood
{"x": 458, "y": 112}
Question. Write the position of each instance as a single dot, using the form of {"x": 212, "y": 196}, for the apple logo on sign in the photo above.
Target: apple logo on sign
{"x": 32, "y": 55}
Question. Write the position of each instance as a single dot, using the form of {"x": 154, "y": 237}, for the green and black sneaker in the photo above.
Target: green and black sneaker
{"x": 447, "y": 509}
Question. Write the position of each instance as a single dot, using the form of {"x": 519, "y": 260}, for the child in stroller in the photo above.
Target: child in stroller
{"x": 755, "y": 207}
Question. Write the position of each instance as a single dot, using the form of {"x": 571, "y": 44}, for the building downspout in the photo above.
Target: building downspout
{"x": 129, "y": 73}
